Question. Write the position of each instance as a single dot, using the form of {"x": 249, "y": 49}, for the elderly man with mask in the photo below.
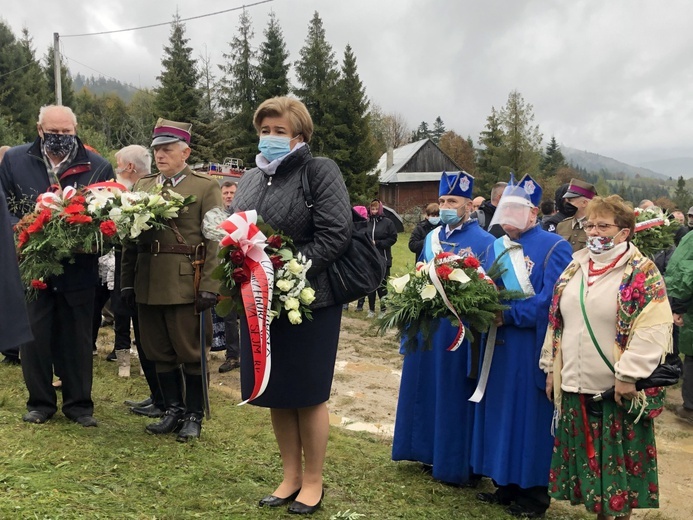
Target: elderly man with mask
{"x": 168, "y": 278}
{"x": 512, "y": 427}
{"x": 61, "y": 315}
{"x": 434, "y": 416}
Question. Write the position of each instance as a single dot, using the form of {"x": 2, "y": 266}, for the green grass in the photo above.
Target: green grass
{"x": 60, "y": 470}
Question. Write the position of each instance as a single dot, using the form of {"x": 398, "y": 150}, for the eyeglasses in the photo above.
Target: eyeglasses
{"x": 600, "y": 226}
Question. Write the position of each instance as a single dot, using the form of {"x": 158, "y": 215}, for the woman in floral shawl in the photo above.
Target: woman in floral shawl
{"x": 610, "y": 325}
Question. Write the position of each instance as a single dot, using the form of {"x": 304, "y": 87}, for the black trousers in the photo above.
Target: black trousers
{"x": 61, "y": 325}
{"x": 121, "y": 327}
{"x": 231, "y": 336}
{"x": 101, "y": 296}
{"x": 535, "y": 498}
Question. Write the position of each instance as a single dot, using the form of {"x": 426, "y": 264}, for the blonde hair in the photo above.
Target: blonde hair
{"x": 295, "y": 111}
{"x": 613, "y": 205}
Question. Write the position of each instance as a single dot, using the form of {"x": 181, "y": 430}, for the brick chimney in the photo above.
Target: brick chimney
{"x": 390, "y": 157}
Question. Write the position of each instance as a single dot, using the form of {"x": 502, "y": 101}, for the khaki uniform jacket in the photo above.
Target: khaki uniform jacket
{"x": 571, "y": 230}
{"x": 167, "y": 278}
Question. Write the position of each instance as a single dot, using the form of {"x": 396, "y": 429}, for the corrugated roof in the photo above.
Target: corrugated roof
{"x": 400, "y": 157}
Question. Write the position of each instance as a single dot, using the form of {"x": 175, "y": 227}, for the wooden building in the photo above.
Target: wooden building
{"x": 410, "y": 175}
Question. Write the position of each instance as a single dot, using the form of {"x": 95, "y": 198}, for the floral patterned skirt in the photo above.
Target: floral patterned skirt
{"x": 622, "y": 473}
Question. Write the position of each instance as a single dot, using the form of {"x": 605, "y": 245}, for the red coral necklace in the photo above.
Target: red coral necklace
{"x": 592, "y": 272}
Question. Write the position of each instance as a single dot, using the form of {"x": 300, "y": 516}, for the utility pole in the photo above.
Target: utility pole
{"x": 56, "y": 69}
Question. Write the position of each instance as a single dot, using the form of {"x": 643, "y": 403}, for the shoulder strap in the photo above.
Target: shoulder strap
{"x": 548, "y": 255}
{"x": 589, "y": 327}
{"x": 307, "y": 195}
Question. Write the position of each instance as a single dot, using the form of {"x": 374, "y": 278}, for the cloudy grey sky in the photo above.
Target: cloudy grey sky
{"x": 611, "y": 77}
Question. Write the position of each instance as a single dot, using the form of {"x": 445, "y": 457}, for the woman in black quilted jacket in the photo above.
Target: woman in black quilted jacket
{"x": 303, "y": 355}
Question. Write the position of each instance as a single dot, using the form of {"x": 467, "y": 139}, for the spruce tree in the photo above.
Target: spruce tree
{"x": 238, "y": 93}
{"x": 273, "y": 65}
{"x": 66, "y": 90}
{"x": 682, "y": 197}
{"x": 522, "y": 140}
{"x": 438, "y": 130}
{"x": 553, "y": 159}
{"x": 358, "y": 154}
{"x": 317, "y": 75}
{"x": 421, "y": 133}
{"x": 177, "y": 97}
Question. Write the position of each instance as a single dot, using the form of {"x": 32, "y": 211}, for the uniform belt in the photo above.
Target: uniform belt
{"x": 156, "y": 247}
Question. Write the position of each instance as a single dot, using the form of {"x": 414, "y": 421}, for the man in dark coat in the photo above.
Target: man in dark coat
{"x": 159, "y": 276}
{"x": 485, "y": 213}
{"x": 564, "y": 210}
{"x": 61, "y": 315}
{"x": 14, "y": 325}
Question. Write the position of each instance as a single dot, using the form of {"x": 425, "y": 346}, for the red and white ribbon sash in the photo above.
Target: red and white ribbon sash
{"x": 647, "y": 224}
{"x": 459, "y": 337}
{"x": 256, "y": 293}
{"x": 54, "y": 200}
{"x": 107, "y": 185}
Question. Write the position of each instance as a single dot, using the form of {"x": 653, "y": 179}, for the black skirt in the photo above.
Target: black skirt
{"x": 302, "y": 363}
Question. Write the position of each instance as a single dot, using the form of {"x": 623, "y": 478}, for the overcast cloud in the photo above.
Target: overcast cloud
{"x": 610, "y": 77}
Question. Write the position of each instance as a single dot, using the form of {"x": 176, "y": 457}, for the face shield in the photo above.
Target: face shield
{"x": 514, "y": 208}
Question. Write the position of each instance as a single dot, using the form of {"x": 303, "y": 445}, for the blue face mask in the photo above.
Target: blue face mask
{"x": 449, "y": 217}
{"x": 273, "y": 147}
{"x": 434, "y": 220}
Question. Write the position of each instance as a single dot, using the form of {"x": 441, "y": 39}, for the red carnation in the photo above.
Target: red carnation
{"x": 617, "y": 502}
{"x": 444, "y": 254}
{"x": 471, "y": 262}
{"x": 41, "y": 220}
{"x": 78, "y": 199}
{"x": 23, "y": 239}
{"x": 38, "y": 284}
{"x": 444, "y": 271}
{"x": 240, "y": 275}
{"x": 78, "y": 219}
{"x": 275, "y": 242}
{"x": 237, "y": 257}
{"x": 74, "y": 209}
{"x": 108, "y": 228}
{"x": 277, "y": 261}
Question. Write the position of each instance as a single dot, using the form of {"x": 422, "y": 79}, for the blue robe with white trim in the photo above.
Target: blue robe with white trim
{"x": 434, "y": 417}
{"x": 512, "y": 440}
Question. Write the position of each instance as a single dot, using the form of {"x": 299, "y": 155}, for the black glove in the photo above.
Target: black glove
{"x": 205, "y": 300}
{"x": 127, "y": 296}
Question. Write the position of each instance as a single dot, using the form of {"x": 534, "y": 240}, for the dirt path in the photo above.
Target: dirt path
{"x": 364, "y": 398}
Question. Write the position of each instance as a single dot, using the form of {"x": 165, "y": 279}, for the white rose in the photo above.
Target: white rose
{"x": 307, "y": 295}
{"x": 285, "y": 285}
{"x": 292, "y": 304}
{"x": 400, "y": 283}
{"x": 295, "y": 267}
{"x": 428, "y": 292}
{"x": 294, "y": 317}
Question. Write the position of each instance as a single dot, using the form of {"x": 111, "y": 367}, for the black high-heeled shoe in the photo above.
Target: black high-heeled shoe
{"x": 273, "y": 501}
{"x": 299, "y": 508}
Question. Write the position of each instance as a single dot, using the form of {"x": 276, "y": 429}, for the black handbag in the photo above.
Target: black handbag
{"x": 359, "y": 270}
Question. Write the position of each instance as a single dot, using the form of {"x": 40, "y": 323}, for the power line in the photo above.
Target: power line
{"x": 15, "y": 70}
{"x": 167, "y": 23}
{"x": 106, "y": 75}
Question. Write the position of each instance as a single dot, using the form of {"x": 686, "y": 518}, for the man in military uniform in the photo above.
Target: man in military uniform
{"x": 579, "y": 194}
{"x": 161, "y": 276}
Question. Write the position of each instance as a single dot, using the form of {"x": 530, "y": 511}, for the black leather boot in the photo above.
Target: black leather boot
{"x": 194, "y": 409}
{"x": 172, "y": 389}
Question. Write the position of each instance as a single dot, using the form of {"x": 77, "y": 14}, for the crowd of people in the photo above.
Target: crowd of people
{"x": 592, "y": 313}
{"x": 595, "y": 316}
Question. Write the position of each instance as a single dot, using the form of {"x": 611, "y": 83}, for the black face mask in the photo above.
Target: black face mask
{"x": 568, "y": 209}
{"x": 59, "y": 145}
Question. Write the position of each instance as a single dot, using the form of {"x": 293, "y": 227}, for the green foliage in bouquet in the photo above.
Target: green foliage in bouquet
{"x": 654, "y": 231}
{"x": 291, "y": 294}
{"x": 415, "y": 307}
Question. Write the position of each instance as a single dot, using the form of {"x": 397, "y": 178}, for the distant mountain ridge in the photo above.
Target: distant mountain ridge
{"x": 675, "y": 167}
{"x": 593, "y": 162}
